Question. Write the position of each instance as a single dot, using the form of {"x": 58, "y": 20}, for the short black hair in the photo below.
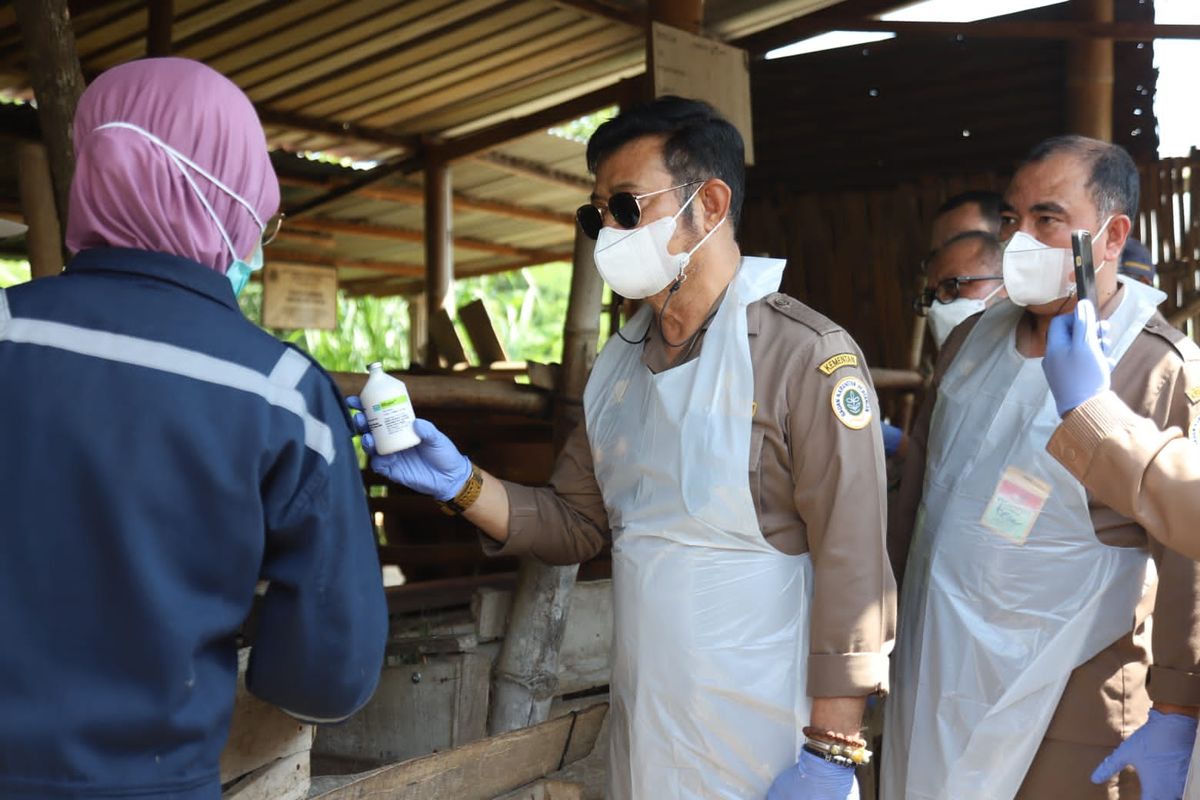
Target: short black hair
{"x": 1113, "y": 180}
{"x": 991, "y": 247}
{"x": 700, "y": 143}
{"x": 990, "y": 205}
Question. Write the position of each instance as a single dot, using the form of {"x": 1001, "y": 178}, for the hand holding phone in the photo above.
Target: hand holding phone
{"x": 1085, "y": 271}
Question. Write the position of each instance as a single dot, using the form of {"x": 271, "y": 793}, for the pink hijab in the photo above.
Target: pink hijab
{"x": 127, "y": 190}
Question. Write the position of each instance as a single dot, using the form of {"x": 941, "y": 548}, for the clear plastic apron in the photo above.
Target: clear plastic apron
{"x": 990, "y": 629}
{"x": 710, "y": 634}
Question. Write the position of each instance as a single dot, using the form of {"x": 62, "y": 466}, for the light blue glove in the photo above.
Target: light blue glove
{"x": 892, "y": 437}
{"x": 814, "y": 778}
{"x": 434, "y": 467}
{"x": 1075, "y": 365}
{"x": 1160, "y": 751}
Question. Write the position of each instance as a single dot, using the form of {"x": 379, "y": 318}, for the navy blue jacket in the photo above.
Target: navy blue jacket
{"x": 159, "y": 454}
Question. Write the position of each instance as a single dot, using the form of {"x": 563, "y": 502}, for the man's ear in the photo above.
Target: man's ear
{"x": 1114, "y": 238}
{"x": 713, "y": 203}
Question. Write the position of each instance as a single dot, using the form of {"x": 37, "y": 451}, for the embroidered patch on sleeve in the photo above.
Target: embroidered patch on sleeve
{"x": 851, "y": 403}
{"x": 832, "y": 365}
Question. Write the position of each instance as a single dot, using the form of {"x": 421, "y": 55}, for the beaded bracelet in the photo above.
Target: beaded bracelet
{"x": 841, "y": 761}
{"x": 856, "y": 753}
{"x": 831, "y": 736}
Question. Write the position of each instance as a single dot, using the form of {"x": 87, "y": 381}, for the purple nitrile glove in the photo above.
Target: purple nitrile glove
{"x": 434, "y": 467}
{"x": 1159, "y": 751}
{"x": 814, "y": 778}
{"x": 1075, "y": 365}
{"x": 892, "y": 437}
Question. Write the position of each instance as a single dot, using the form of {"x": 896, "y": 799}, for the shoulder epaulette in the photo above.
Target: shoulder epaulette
{"x": 1183, "y": 344}
{"x": 793, "y": 309}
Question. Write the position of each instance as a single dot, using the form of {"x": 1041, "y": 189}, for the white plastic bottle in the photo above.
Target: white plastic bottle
{"x": 389, "y": 411}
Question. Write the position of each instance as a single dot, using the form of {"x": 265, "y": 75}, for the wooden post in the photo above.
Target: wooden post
{"x": 57, "y": 82}
{"x": 158, "y": 32}
{"x": 526, "y": 681}
{"x": 44, "y": 237}
{"x": 439, "y": 246}
{"x": 418, "y": 329}
{"x": 1090, "y": 76}
{"x": 687, "y": 15}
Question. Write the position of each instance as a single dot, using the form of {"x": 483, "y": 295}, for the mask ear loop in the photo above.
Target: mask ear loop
{"x": 181, "y": 161}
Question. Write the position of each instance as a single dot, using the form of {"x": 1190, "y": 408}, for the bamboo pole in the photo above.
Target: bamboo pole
{"x": 439, "y": 246}
{"x": 525, "y": 680}
{"x": 1090, "y": 76}
{"x": 44, "y": 237}
{"x": 57, "y": 83}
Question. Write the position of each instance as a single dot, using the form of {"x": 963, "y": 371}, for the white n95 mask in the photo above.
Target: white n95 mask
{"x": 636, "y": 263}
{"x": 1036, "y": 273}
{"x": 945, "y": 317}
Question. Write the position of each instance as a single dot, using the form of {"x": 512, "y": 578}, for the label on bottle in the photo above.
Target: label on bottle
{"x": 391, "y": 416}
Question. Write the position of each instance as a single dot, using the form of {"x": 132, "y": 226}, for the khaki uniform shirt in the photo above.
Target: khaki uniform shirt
{"x": 1106, "y": 698}
{"x": 818, "y": 487}
{"x": 1126, "y": 461}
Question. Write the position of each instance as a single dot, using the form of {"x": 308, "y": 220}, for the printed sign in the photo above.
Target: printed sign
{"x": 297, "y": 296}
{"x": 692, "y": 66}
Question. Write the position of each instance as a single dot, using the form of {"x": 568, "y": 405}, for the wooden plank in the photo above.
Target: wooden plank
{"x": 286, "y": 779}
{"x": 444, "y": 337}
{"x": 463, "y": 394}
{"x": 259, "y": 733}
{"x": 418, "y": 708}
{"x": 484, "y": 769}
{"x": 414, "y": 70}
{"x": 546, "y": 790}
{"x": 487, "y": 345}
{"x": 585, "y": 657}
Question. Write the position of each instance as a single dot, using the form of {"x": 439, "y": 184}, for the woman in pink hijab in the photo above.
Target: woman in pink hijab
{"x": 171, "y": 158}
{"x": 160, "y": 455}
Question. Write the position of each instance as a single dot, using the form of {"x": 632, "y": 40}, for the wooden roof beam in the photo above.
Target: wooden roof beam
{"x": 609, "y": 11}
{"x": 342, "y": 130}
{"x": 396, "y": 268}
{"x": 489, "y": 138}
{"x": 1067, "y": 30}
{"x": 412, "y": 195}
{"x": 393, "y": 233}
{"x": 531, "y": 169}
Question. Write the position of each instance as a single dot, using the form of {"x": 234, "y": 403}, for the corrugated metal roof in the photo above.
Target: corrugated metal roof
{"x": 370, "y": 80}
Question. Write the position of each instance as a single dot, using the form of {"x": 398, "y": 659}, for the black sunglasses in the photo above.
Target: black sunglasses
{"x": 947, "y": 291}
{"x": 623, "y": 207}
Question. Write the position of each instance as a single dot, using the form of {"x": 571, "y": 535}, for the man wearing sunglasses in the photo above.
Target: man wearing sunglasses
{"x": 731, "y": 454}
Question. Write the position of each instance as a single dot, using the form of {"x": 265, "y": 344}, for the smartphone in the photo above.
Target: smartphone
{"x": 1085, "y": 272}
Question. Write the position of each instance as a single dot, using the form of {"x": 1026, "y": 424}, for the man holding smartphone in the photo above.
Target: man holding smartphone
{"x": 1023, "y": 655}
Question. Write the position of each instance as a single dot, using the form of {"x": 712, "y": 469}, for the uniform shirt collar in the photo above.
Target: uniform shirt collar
{"x": 164, "y": 267}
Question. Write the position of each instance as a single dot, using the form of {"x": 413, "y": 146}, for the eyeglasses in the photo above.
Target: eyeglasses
{"x": 947, "y": 291}
{"x": 272, "y": 229}
{"x": 623, "y": 207}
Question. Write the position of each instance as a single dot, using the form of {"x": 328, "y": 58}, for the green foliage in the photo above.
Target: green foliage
{"x": 527, "y": 308}
{"x": 13, "y": 272}
{"x": 369, "y": 329}
{"x": 580, "y": 130}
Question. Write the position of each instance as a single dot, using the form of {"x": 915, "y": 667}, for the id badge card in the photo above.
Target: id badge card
{"x": 1015, "y": 505}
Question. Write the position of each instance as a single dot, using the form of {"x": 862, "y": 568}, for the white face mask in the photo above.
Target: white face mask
{"x": 1036, "y": 273}
{"x": 637, "y": 264}
{"x": 945, "y": 317}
